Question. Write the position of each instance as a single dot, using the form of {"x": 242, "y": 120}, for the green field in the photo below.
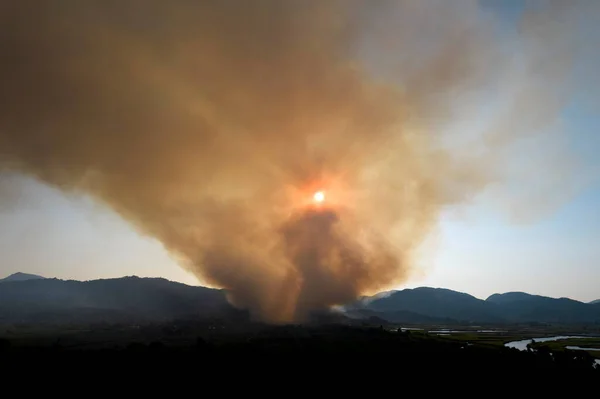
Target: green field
{"x": 560, "y": 345}
{"x": 186, "y": 333}
{"x": 500, "y": 335}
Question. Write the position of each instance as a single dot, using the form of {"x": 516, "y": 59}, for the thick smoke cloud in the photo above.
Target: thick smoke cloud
{"x": 209, "y": 124}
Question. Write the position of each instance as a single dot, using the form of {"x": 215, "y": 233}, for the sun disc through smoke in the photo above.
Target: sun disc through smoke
{"x": 183, "y": 137}
{"x": 319, "y": 196}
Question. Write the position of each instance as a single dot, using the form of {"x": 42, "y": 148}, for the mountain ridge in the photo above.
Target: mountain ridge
{"x": 128, "y": 298}
{"x": 146, "y": 299}
{"x": 19, "y": 276}
{"x": 511, "y": 307}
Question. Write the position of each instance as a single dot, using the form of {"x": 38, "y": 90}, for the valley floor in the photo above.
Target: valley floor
{"x": 428, "y": 347}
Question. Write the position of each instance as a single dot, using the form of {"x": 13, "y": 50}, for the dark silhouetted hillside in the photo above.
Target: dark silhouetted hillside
{"x": 510, "y": 297}
{"x": 138, "y": 300}
{"x": 595, "y": 302}
{"x": 436, "y": 303}
{"x": 510, "y": 307}
{"x": 21, "y": 277}
{"x": 110, "y": 300}
{"x": 519, "y": 306}
{"x": 400, "y": 316}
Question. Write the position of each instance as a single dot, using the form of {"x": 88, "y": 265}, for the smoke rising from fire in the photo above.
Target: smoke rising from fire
{"x": 209, "y": 125}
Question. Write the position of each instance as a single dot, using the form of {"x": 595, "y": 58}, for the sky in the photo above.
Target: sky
{"x": 476, "y": 250}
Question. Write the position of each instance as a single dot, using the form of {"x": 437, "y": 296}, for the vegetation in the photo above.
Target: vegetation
{"x": 561, "y": 345}
{"x": 46, "y": 321}
{"x": 217, "y": 341}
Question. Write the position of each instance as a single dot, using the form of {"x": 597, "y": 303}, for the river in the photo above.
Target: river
{"x": 522, "y": 344}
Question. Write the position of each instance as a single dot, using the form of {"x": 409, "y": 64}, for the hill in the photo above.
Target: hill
{"x": 510, "y": 297}
{"x": 21, "y": 277}
{"x": 33, "y": 299}
{"x": 519, "y": 306}
{"x": 595, "y": 302}
{"x": 511, "y": 307}
{"x": 436, "y": 303}
{"x": 109, "y": 300}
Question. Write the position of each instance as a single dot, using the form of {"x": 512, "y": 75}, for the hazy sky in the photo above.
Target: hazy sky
{"x": 475, "y": 251}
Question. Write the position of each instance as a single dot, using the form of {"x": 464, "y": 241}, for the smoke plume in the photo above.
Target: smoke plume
{"x": 208, "y": 125}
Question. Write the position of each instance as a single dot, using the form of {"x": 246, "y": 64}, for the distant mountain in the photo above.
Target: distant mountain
{"x": 510, "y": 297}
{"x": 111, "y": 300}
{"x": 438, "y": 304}
{"x": 595, "y": 302}
{"x": 26, "y": 298}
{"x": 21, "y": 277}
{"x": 519, "y": 306}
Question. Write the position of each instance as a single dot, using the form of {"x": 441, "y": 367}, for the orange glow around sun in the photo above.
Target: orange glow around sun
{"x": 319, "y": 196}
{"x": 324, "y": 193}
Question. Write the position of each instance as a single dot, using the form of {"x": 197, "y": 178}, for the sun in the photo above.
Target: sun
{"x": 319, "y": 196}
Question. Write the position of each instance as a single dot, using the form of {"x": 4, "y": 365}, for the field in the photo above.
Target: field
{"x": 186, "y": 332}
{"x": 501, "y": 334}
{"x": 561, "y": 345}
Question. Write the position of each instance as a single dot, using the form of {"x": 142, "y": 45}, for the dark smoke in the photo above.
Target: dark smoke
{"x": 209, "y": 124}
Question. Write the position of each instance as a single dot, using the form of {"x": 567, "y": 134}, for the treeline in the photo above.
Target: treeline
{"x": 335, "y": 347}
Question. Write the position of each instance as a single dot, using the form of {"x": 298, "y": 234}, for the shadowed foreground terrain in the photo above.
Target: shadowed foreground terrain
{"x": 245, "y": 344}
{"x": 133, "y": 324}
